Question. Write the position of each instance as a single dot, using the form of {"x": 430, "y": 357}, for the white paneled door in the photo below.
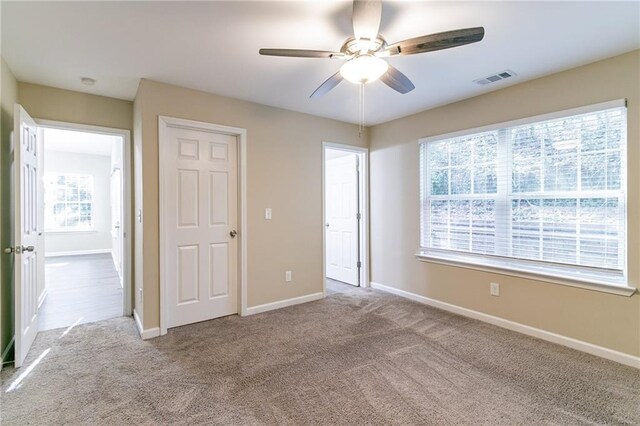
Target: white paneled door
{"x": 27, "y": 175}
{"x": 341, "y": 203}
{"x": 200, "y": 211}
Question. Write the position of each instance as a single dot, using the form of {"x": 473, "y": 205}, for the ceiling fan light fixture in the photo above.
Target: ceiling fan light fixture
{"x": 364, "y": 69}
{"x": 365, "y": 50}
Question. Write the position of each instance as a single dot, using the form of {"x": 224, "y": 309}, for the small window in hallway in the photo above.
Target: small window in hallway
{"x": 68, "y": 202}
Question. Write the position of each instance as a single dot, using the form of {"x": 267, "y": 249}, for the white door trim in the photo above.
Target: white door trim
{"x": 127, "y": 207}
{"x": 363, "y": 155}
{"x": 164, "y": 123}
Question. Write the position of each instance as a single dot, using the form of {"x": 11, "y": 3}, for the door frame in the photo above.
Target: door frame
{"x": 363, "y": 195}
{"x": 127, "y": 205}
{"x": 165, "y": 122}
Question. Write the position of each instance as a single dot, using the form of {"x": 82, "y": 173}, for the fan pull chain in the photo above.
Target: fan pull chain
{"x": 361, "y": 127}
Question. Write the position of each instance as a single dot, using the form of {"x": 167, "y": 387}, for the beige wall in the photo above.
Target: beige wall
{"x": 49, "y": 103}
{"x": 603, "y": 319}
{"x": 8, "y": 97}
{"x": 284, "y": 172}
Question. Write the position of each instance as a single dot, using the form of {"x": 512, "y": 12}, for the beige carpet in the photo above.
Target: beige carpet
{"x": 357, "y": 357}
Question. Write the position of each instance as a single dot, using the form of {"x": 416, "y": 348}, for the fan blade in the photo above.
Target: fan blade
{"x": 397, "y": 81}
{"x": 438, "y": 41}
{"x": 366, "y": 18}
{"x": 299, "y": 53}
{"x": 329, "y": 84}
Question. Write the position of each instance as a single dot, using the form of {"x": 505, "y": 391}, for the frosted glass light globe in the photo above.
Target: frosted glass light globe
{"x": 364, "y": 69}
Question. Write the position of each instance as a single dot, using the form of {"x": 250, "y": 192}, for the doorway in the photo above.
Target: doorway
{"x": 67, "y": 208}
{"x": 345, "y": 219}
{"x": 203, "y": 238}
{"x": 83, "y": 215}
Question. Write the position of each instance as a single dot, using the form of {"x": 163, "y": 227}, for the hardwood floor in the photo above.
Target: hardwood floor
{"x": 80, "y": 289}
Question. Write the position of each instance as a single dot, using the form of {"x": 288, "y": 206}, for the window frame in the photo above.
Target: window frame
{"x": 49, "y": 209}
{"x": 611, "y": 281}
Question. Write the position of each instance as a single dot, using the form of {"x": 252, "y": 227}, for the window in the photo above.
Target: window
{"x": 68, "y": 202}
{"x": 544, "y": 195}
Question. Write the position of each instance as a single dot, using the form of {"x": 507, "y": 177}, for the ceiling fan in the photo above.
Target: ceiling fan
{"x": 365, "y": 50}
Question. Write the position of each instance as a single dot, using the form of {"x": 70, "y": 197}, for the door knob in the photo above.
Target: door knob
{"x": 233, "y": 233}
{"x": 19, "y": 249}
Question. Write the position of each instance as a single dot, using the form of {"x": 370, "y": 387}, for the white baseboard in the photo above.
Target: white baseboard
{"x": 284, "y": 303}
{"x": 5, "y": 353}
{"x": 145, "y": 334}
{"x": 610, "y": 354}
{"x": 76, "y": 252}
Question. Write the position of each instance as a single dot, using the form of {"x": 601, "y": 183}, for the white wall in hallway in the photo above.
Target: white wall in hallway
{"x": 99, "y": 166}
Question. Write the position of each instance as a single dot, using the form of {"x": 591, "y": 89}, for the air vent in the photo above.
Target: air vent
{"x": 495, "y": 77}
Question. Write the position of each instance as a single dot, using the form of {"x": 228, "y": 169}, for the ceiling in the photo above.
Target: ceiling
{"x": 78, "y": 142}
{"x": 213, "y": 46}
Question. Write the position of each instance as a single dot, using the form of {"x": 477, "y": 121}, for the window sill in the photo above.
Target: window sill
{"x": 506, "y": 268}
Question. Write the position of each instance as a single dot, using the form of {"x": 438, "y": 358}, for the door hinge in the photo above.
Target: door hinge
{"x": 359, "y": 264}
{"x": 358, "y": 216}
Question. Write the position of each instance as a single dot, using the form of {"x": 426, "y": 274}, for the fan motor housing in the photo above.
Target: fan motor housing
{"x": 352, "y": 46}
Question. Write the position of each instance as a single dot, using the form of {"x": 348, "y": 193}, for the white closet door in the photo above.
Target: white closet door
{"x": 200, "y": 188}
{"x": 341, "y": 201}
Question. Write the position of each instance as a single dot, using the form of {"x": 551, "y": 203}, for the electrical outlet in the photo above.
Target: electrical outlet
{"x": 287, "y": 276}
{"x": 267, "y": 213}
{"x": 494, "y": 289}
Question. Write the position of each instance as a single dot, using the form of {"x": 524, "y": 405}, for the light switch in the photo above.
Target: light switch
{"x": 267, "y": 213}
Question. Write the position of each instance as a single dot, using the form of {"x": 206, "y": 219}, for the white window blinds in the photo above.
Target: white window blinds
{"x": 548, "y": 190}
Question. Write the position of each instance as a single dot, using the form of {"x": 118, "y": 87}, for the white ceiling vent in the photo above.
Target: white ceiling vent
{"x": 495, "y": 77}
